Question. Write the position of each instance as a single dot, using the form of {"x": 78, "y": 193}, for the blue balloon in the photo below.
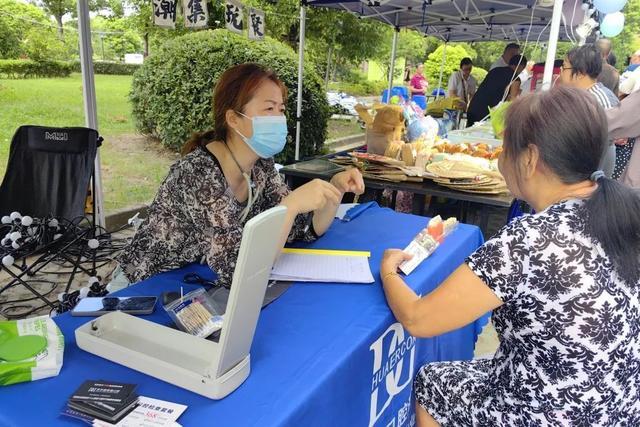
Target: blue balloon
{"x": 612, "y": 24}
{"x": 609, "y": 6}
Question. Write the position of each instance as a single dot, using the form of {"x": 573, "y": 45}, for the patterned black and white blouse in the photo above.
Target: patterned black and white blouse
{"x": 195, "y": 217}
{"x": 569, "y": 332}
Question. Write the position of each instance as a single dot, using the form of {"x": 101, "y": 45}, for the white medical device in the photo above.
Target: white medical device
{"x": 205, "y": 367}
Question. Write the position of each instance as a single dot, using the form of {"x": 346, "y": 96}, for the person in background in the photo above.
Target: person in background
{"x": 525, "y": 77}
{"x": 630, "y": 79}
{"x": 500, "y": 84}
{"x": 563, "y": 284}
{"x": 418, "y": 84}
{"x": 580, "y": 69}
{"x": 606, "y": 47}
{"x": 226, "y": 177}
{"x": 634, "y": 61}
{"x": 610, "y": 78}
{"x": 624, "y": 128}
{"x": 407, "y": 75}
{"x": 462, "y": 84}
{"x": 511, "y": 50}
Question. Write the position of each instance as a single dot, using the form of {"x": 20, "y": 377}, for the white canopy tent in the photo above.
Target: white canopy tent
{"x": 456, "y": 20}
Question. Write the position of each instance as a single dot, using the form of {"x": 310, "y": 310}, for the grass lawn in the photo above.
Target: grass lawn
{"x": 133, "y": 166}
{"x": 342, "y": 128}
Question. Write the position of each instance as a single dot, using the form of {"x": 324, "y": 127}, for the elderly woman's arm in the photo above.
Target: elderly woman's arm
{"x": 623, "y": 120}
{"x": 459, "y": 300}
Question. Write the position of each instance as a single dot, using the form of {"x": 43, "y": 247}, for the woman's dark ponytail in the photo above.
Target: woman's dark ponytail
{"x": 614, "y": 221}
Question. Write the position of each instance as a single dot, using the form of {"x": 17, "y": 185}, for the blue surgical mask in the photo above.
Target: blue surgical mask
{"x": 269, "y": 135}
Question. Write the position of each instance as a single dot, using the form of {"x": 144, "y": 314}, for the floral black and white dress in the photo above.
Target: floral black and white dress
{"x": 569, "y": 332}
{"x": 195, "y": 217}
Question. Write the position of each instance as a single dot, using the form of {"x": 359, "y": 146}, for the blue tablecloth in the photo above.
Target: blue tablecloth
{"x": 322, "y": 355}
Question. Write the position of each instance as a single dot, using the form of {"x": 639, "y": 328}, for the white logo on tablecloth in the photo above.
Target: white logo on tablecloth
{"x": 390, "y": 372}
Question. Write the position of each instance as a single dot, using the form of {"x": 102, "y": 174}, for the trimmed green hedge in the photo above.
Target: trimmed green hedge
{"x": 26, "y": 68}
{"x": 108, "y": 67}
{"x": 171, "y": 93}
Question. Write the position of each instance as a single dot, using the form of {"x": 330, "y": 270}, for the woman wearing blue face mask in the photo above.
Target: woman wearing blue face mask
{"x": 227, "y": 176}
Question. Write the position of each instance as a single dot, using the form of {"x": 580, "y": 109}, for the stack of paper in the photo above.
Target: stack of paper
{"x": 313, "y": 265}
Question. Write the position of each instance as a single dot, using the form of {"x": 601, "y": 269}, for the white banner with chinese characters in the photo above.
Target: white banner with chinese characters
{"x": 164, "y": 13}
{"x": 256, "y": 24}
{"x": 195, "y": 13}
{"x": 233, "y": 16}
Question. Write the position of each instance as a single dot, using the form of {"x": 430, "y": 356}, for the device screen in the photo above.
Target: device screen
{"x": 137, "y": 305}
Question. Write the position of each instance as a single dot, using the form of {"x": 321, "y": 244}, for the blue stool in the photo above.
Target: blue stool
{"x": 395, "y": 91}
{"x": 420, "y": 100}
{"x": 438, "y": 92}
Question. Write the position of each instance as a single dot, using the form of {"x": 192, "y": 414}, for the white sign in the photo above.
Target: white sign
{"x": 164, "y": 13}
{"x": 394, "y": 355}
{"x": 233, "y": 16}
{"x": 195, "y": 13}
{"x": 133, "y": 58}
{"x": 256, "y": 24}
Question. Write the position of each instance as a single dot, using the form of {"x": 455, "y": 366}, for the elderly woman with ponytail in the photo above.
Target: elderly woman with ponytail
{"x": 227, "y": 176}
{"x": 564, "y": 285}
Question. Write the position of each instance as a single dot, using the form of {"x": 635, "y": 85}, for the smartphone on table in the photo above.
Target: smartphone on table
{"x": 97, "y": 306}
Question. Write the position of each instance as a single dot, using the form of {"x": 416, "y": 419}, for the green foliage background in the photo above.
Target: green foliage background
{"x": 171, "y": 94}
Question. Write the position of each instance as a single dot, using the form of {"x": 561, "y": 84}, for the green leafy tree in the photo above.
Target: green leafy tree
{"x": 57, "y": 9}
{"x": 454, "y": 54}
{"x": 113, "y": 37}
{"x": 42, "y": 45}
{"x": 628, "y": 41}
{"x": 14, "y": 24}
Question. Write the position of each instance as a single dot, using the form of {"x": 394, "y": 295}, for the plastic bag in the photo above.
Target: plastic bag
{"x": 195, "y": 313}
{"x": 45, "y": 364}
{"x": 497, "y": 117}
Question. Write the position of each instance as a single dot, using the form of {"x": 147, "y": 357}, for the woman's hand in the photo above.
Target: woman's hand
{"x": 392, "y": 259}
{"x": 349, "y": 181}
{"x": 312, "y": 196}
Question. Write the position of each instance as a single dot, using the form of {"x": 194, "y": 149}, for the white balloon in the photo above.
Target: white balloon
{"x": 15, "y": 215}
{"x": 27, "y": 221}
{"x": 15, "y": 235}
{"x": 5, "y": 241}
{"x": 15, "y": 245}
{"x": 53, "y": 223}
{"x": 93, "y": 279}
{"x": 61, "y": 296}
{"x": 609, "y": 6}
{"x": 6, "y": 219}
{"x": 7, "y": 260}
{"x": 93, "y": 243}
{"x": 612, "y": 24}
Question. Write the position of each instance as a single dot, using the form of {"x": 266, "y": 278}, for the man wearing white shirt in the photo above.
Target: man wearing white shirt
{"x": 511, "y": 50}
{"x": 462, "y": 84}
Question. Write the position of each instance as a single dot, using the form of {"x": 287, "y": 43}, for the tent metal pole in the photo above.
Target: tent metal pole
{"x": 303, "y": 14}
{"x": 444, "y": 58}
{"x": 89, "y": 98}
{"x": 392, "y": 65}
{"x": 553, "y": 44}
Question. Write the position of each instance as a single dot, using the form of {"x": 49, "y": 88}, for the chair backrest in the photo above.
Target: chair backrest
{"x": 258, "y": 250}
{"x": 49, "y": 171}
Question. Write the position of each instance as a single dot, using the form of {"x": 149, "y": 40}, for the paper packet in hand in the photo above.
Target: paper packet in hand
{"x": 427, "y": 241}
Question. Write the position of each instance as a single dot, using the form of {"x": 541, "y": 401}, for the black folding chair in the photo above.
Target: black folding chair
{"x": 49, "y": 171}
